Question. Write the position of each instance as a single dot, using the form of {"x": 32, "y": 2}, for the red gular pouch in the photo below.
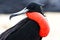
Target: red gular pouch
{"x": 42, "y": 22}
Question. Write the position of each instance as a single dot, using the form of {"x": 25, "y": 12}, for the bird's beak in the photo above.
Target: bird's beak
{"x": 19, "y": 13}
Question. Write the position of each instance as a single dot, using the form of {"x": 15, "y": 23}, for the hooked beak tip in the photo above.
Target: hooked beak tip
{"x": 12, "y": 16}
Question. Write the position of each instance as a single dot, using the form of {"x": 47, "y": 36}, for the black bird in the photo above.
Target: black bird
{"x": 28, "y": 28}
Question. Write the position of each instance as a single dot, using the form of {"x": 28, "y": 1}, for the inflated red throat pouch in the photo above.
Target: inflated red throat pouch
{"x": 42, "y": 22}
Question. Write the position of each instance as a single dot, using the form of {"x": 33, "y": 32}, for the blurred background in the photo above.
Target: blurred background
{"x": 11, "y": 6}
{"x": 51, "y": 9}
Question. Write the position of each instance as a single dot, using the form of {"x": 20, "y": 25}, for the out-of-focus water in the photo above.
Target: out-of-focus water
{"x": 52, "y": 17}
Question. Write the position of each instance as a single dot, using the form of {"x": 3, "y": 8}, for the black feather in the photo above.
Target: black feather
{"x": 34, "y": 7}
{"x": 25, "y": 30}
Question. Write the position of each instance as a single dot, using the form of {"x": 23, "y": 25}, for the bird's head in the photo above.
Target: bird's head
{"x": 32, "y": 7}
